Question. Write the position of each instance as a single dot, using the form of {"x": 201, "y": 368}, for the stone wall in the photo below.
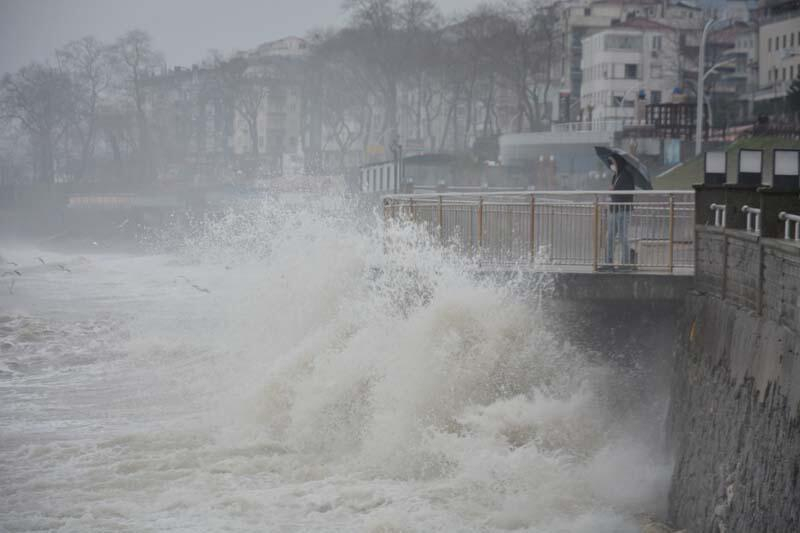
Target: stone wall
{"x": 734, "y": 420}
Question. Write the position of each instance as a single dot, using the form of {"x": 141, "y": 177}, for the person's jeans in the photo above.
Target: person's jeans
{"x": 619, "y": 218}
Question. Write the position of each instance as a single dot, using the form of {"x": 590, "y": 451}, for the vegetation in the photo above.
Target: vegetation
{"x": 691, "y": 172}
{"x": 109, "y": 111}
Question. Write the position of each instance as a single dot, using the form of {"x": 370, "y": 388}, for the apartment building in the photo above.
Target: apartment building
{"x": 627, "y": 67}
{"x": 778, "y": 59}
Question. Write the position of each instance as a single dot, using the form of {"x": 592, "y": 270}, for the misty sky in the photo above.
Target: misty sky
{"x": 183, "y": 29}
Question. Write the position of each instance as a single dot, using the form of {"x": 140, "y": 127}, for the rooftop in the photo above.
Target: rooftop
{"x": 643, "y": 24}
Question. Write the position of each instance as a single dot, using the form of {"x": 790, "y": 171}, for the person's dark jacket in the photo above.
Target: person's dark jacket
{"x": 622, "y": 181}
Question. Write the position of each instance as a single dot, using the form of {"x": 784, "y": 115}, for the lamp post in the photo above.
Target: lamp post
{"x": 701, "y": 66}
{"x": 701, "y": 78}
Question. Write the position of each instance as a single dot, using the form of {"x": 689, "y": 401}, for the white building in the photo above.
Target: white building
{"x": 278, "y": 120}
{"x": 778, "y": 56}
{"x": 741, "y": 72}
{"x": 626, "y": 67}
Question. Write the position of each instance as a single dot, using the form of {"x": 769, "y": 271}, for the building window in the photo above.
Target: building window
{"x": 655, "y": 97}
{"x": 791, "y": 40}
{"x": 618, "y": 41}
{"x": 587, "y": 12}
{"x": 791, "y": 72}
{"x": 784, "y": 41}
{"x": 655, "y": 70}
{"x": 656, "y": 42}
{"x": 769, "y": 45}
{"x": 631, "y": 71}
{"x": 783, "y": 73}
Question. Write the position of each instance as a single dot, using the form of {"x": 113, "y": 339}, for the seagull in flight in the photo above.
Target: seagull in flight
{"x": 41, "y": 260}
{"x": 65, "y": 269}
{"x": 194, "y": 286}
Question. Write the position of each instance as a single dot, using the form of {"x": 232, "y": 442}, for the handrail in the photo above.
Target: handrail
{"x": 788, "y": 219}
{"x": 753, "y": 219}
{"x": 719, "y": 214}
{"x": 562, "y": 229}
{"x": 537, "y": 193}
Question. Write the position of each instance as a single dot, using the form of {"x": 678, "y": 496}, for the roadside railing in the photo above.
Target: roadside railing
{"x": 753, "y": 215}
{"x": 719, "y": 214}
{"x": 560, "y": 229}
{"x": 788, "y": 221}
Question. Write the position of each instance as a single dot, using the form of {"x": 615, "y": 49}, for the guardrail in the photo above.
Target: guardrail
{"x": 564, "y": 229}
{"x": 789, "y": 219}
{"x": 719, "y": 214}
{"x": 753, "y": 219}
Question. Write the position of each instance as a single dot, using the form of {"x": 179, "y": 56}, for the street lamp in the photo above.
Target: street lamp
{"x": 701, "y": 66}
{"x": 750, "y": 167}
{"x": 786, "y": 169}
{"x": 716, "y": 168}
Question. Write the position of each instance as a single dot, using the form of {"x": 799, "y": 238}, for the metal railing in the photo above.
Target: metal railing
{"x": 753, "y": 215}
{"x": 789, "y": 219}
{"x": 719, "y": 214}
{"x": 579, "y": 230}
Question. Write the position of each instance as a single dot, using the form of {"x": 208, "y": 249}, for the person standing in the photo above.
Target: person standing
{"x": 619, "y": 211}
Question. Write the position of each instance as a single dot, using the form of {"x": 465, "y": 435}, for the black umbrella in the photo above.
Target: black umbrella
{"x": 630, "y": 165}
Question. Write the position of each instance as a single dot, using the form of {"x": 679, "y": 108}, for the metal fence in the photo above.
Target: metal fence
{"x": 581, "y": 230}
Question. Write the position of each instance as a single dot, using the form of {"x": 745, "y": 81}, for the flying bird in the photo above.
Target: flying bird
{"x": 11, "y": 273}
{"x": 65, "y": 269}
{"x": 41, "y": 260}
{"x": 12, "y": 263}
{"x": 194, "y": 286}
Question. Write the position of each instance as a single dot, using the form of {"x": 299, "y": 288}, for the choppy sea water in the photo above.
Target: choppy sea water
{"x": 290, "y": 369}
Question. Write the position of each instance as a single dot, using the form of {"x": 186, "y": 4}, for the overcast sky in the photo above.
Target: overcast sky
{"x": 183, "y": 29}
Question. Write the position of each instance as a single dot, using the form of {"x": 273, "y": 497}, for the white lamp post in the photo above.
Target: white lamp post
{"x": 701, "y": 67}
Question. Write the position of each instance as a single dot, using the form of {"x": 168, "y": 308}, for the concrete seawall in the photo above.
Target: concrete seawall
{"x": 733, "y": 421}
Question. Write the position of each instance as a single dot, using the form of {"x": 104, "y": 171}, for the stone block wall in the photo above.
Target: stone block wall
{"x": 734, "y": 422}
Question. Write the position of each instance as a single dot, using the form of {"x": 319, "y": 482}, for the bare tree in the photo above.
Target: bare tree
{"x": 246, "y": 90}
{"x": 531, "y": 47}
{"x": 87, "y": 63}
{"x": 41, "y": 99}
{"x": 386, "y": 35}
{"x": 138, "y": 61}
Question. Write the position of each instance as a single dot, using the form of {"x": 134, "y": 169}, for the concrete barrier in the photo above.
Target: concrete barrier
{"x": 733, "y": 421}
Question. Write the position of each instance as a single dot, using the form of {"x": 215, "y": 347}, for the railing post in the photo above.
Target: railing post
{"x": 760, "y": 279}
{"x": 596, "y": 236}
{"x": 532, "y": 228}
{"x": 441, "y": 220}
{"x": 671, "y": 232}
{"x": 724, "y": 263}
{"x": 480, "y": 223}
{"x": 411, "y": 208}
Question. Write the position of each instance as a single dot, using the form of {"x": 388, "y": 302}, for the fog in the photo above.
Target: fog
{"x": 212, "y": 318}
{"x": 183, "y": 29}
